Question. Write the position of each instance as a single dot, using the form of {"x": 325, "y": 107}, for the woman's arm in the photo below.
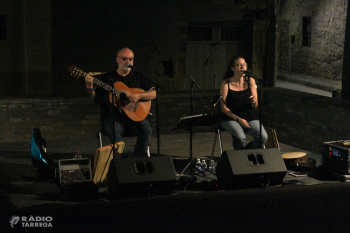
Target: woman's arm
{"x": 254, "y": 97}
{"x": 224, "y": 108}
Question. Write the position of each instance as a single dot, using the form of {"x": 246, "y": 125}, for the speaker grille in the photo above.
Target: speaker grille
{"x": 250, "y": 168}
{"x": 141, "y": 176}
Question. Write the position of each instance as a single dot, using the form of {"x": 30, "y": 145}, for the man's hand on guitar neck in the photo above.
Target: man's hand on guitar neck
{"x": 89, "y": 81}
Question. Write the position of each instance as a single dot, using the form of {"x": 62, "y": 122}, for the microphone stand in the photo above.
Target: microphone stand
{"x": 114, "y": 97}
{"x": 157, "y": 103}
{"x": 194, "y": 82}
{"x": 190, "y": 128}
{"x": 259, "y": 82}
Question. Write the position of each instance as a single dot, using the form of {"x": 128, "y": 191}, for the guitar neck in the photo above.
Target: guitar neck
{"x": 105, "y": 86}
{"x": 77, "y": 72}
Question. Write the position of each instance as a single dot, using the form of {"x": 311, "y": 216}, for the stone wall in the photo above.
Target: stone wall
{"x": 25, "y": 68}
{"x": 284, "y": 45}
{"x": 300, "y": 119}
{"x": 56, "y": 118}
{"x": 78, "y": 118}
{"x": 10, "y": 65}
{"x": 305, "y": 120}
{"x": 325, "y": 55}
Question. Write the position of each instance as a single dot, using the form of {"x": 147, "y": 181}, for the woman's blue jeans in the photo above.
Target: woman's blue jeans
{"x": 238, "y": 133}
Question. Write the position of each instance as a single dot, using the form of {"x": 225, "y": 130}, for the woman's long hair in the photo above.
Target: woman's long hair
{"x": 229, "y": 72}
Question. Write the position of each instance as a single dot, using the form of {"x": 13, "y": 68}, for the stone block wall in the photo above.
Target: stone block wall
{"x": 324, "y": 58}
{"x": 284, "y": 45}
{"x": 305, "y": 120}
{"x": 79, "y": 119}
{"x": 57, "y": 119}
{"x": 300, "y": 119}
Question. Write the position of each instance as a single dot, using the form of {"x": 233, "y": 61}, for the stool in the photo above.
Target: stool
{"x": 272, "y": 141}
{"x": 218, "y": 135}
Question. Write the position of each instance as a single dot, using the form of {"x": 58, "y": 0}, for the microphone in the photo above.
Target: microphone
{"x": 256, "y": 79}
{"x": 193, "y": 80}
{"x": 131, "y": 67}
{"x": 217, "y": 102}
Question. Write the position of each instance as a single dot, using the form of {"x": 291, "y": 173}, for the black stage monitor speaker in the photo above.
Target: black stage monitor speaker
{"x": 133, "y": 177}
{"x": 250, "y": 168}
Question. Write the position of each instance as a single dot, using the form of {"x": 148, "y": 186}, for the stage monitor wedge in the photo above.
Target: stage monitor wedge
{"x": 250, "y": 168}
{"x": 130, "y": 177}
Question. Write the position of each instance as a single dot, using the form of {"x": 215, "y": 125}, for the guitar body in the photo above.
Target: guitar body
{"x": 135, "y": 111}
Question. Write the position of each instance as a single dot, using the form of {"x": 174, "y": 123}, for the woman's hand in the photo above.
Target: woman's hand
{"x": 243, "y": 123}
{"x": 253, "y": 101}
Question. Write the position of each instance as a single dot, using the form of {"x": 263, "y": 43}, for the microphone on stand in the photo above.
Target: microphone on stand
{"x": 131, "y": 67}
{"x": 193, "y": 80}
{"x": 216, "y": 102}
{"x": 256, "y": 79}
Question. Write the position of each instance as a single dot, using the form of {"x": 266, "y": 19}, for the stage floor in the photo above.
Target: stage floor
{"x": 305, "y": 204}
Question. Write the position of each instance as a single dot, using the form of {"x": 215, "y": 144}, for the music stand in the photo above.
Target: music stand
{"x": 196, "y": 120}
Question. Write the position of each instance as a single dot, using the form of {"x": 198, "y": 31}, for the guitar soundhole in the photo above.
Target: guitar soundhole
{"x": 122, "y": 96}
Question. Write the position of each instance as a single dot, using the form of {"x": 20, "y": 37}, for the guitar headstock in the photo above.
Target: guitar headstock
{"x": 76, "y": 72}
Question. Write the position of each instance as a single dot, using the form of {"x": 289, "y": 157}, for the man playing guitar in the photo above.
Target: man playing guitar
{"x": 135, "y": 92}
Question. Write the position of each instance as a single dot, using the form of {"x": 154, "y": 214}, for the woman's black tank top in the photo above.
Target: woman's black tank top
{"x": 240, "y": 104}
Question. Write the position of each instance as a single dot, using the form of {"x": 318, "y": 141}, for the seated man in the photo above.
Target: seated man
{"x": 125, "y": 118}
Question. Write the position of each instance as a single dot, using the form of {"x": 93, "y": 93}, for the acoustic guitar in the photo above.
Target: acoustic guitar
{"x": 136, "y": 111}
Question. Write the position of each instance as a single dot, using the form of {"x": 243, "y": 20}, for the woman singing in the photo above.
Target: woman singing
{"x": 240, "y": 100}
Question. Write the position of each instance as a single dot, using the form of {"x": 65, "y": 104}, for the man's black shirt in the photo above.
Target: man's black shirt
{"x": 132, "y": 80}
